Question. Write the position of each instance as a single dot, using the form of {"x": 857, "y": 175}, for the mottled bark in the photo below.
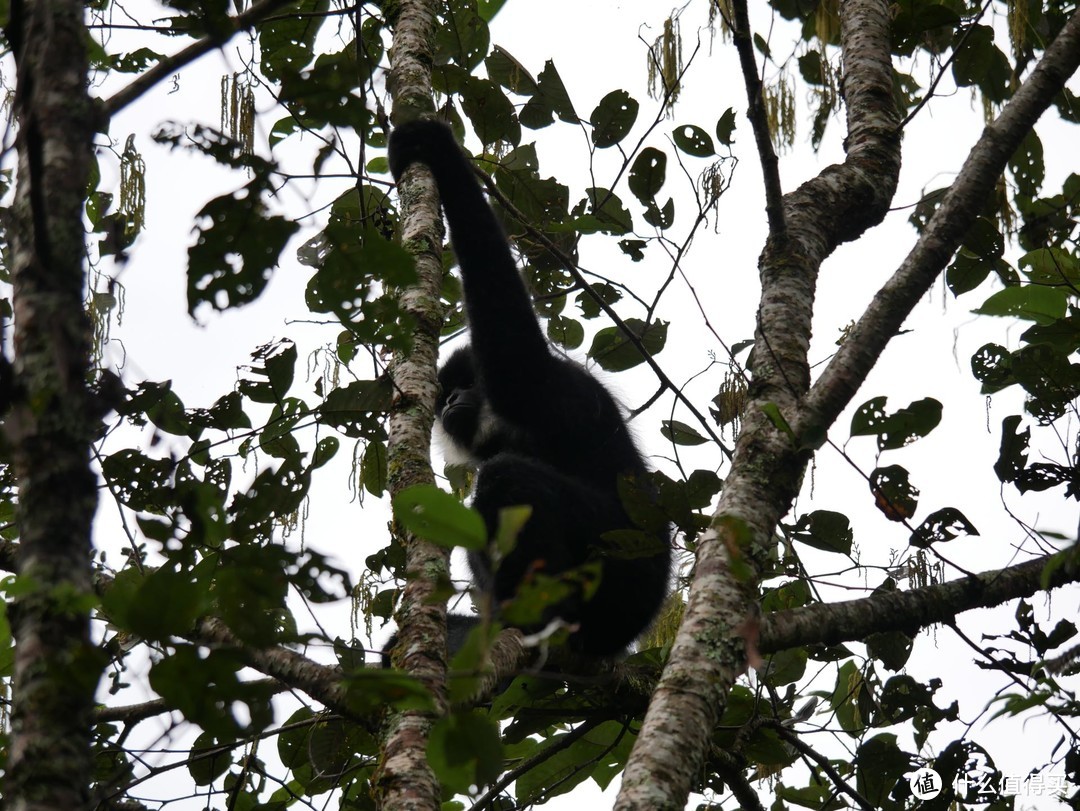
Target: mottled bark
{"x": 405, "y": 780}
{"x": 911, "y": 611}
{"x": 52, "y": 419}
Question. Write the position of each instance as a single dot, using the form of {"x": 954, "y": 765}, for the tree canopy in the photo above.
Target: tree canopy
{"x": 860, "y": 449}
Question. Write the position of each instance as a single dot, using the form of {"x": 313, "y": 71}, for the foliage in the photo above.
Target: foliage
{"x": 214, "y": 499}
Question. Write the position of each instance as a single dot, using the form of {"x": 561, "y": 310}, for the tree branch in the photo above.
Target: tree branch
{"x": 823, "y": 763}
{"x": 939, "y": 240}
{"x": 708, "y": 653}
{"x": 133, "y": 713}
{"x": 910, "y": 611}
{"x": 53, "y": 417}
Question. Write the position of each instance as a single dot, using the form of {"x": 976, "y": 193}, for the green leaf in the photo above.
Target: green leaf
{"x": 237, "y": 245}
{"x": 270, "y": 375}
{"x": 881, "y": 765}
{"x": 508, "y": 72}
{"x": 568, "y": 764}
{"x": 992, "y": 366}
{"x": 825, "y": 530}
{"x": 373, "y": 468}
{"x": 900, "y": 428}
{"x": 984, "y": 240}
{"x": 204, "y": 686}
{"x": 440, "y": 518}
{"x": 693, "y": 140}
{"x": 464, "y": 38}
{"x": 566, "y": 332}
{"x": 326, "y": 92}
{"x": 978, "y": 61}
{"x": 613, "y": 118}
{"x": 1027, "y": 165}
{"x": 772, "y": 411}
{"x": 647, "y": 174}
{"x": 325, "y": 450}
{"x": 762, "y": 45}
{"x": 785, "y": 667}
{"x": 165, "y": 410}
{"x": 894, "y": 494}
{"x": 1050, "y": 379}
{"x": 793, "y": 594}
{"x": 811, "y": 68}
{"x": 1012, "y": 456}
{"x": 139, "y": 481}
{"x": 606, "y": 213}
{"x": 465, "y": 749}
{"x": 634, "y": 248}
{"x": 681, "y": 434}
{"x": 725, "y": 127}
{"x": 358, "y": 409}
{"x": 226, "y": 414}
{"x": 489, "y": 8}
{"x": 966, "y": 272}
{"x": 912, "y": 21}
{"x": 660, "y": 218}
{"x": 1051, "y": 266}
{"x": 1032, "y": 302}
{"x": 490, "y": 112}
{"x": 275, "y": 493}
{"x": 941, "y": 526}
{"x": 549, "y": 99}
{"x": 210, "y": 764}
{"x": 614, "y": 351}
{"x": 286, "y": 42}
{"x": 554, "y": 91}
{"x": 163, "y": 604}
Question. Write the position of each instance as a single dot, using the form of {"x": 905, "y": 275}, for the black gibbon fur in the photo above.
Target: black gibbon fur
{"x": 540, "y": 430}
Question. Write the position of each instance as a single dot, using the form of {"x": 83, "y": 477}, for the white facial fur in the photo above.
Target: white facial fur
{"x": 489, "y": 426}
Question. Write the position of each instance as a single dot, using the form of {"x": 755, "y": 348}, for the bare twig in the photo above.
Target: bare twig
{"x": 759, "y": 121}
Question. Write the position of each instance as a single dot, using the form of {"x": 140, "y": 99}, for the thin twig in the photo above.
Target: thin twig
{"x": 759, "y": 121}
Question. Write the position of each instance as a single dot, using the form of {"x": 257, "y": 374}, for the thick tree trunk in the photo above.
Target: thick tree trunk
{"x": 51, "y": 421}
{"x": 405, "y": 780}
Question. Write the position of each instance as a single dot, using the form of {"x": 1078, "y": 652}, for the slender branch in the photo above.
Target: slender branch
{"x": 559, "y": 745}
{"x": 168, "y": 66}
{"x": 133, "y": 713}
{"x": 759, "y": 121}
{"x": 741, "y": 789}
{"x": 943, "y": 70}
{"x": 322, "y": 682}
{"x": 823, "y": 763}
